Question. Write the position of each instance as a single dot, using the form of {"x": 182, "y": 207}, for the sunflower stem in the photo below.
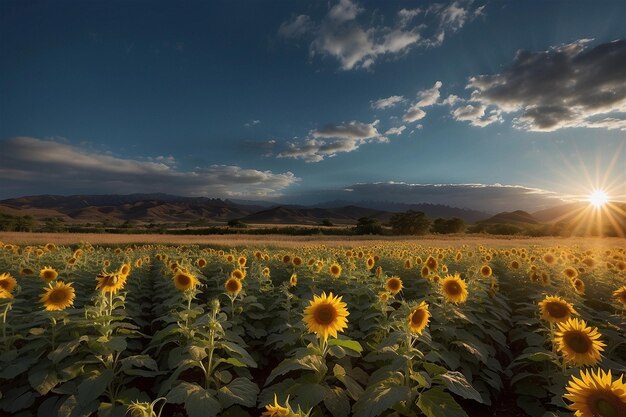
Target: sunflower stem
{"x": 4, "y": 325}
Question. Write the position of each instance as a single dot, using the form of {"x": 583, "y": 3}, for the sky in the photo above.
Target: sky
{"x": 476, "y": 104}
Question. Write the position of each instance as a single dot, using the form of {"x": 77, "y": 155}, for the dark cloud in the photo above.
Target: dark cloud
{"x": 30, "y": 165}
{"x": 570, "y": 85}
{"x": 489, "y": 198}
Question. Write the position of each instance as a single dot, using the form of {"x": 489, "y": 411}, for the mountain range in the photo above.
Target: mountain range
{"x": 165, "y": 208}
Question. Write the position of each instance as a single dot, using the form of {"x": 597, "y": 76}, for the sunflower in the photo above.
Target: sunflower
{"x": 286, "y": 259}
{"x": 233, "y": 286}
{"x": 48, "y": 273}
{"x": 108, "y": 282}
{"x": 335, "y": 270}
{"x": 266, "y": 272}
{"x": 425, "y": 272}
{"x": 579, "y": 286}
{"x": 597, "y": 394}
{"x": 276, "y": 410}
{"x": 408, "y": 264}
{"x": 5, "y": 295}
{"x": 7, "y": 282}
{"x": 549, "y": 259}
{"x": 555, "y": 309}
{"x": 620, "y": 295}
{"x": 570, "y": 272}
{"x": 454, "y": 288}
{"x": 238, "y": 273}
{"x": 242, "y": 260}
{"x": 383, "y": 296}
{"x": 296, "y": 261}
{"x": 184, "y": 281}
{"x": 579, "y": 343}
{"x": 26, "y": 271}
{"x": 326, "y": 315}
{"x": 58, "y": 297}
{"x": 485, "y": 271}
{"x": 393, "y": 285}
{"x": 293, "y": 280}
{"x": 369, "y": 262}
{"x": 431, "y": 263}
{"x": 514, "y": 265}
{"x": 124, "y": 270}
{"x": 418, "y": 318}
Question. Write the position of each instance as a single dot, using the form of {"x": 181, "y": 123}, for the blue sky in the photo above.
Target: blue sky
{"x": 512, "y": 104}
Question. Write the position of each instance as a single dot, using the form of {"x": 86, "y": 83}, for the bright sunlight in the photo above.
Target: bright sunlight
{"x": 598, "y": 198}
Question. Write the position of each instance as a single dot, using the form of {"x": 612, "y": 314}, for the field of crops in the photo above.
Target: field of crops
{"x": 390, "y": 329}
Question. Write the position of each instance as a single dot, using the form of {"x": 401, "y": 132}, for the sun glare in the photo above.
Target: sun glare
{"x": 598, "y": 198}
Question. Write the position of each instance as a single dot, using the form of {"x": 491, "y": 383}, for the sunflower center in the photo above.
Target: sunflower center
{"x": 418, "y": 317}
{"x": 557, "y": 310}
{"x": 453, "y": 288}
{"x": 57, "y": 296}
{"x": 577, "y": 341}
{"x": 604, "y": 404}
{"x": 232, "y": 286}
{"x": 183, "y": 280}
{"x": 325, "y": 314}
{"x": 394, "y": 284}
{"x": 48, "y": 274}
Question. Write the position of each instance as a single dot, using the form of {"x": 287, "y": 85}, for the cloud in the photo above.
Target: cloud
{"x": 475, "y": 114}
{"x": 333, "y": 139}
{"x": 426, "y": 98}
{"x": 570, "y": 85}
{"x": 31, "y": 165}
{"x": 385, "y": 103}
{"x": 252, "y": 123}
{"x": 356, "y": 45}
{"x": 395, "y": 130}
{"x": 296, "y": 27}
{"x": 491, "y": 198}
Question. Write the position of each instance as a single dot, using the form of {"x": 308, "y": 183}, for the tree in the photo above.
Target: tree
{"x": 453, "y": 225}
{"x": 368, "y": 226}
{"x": 409, "y": 223}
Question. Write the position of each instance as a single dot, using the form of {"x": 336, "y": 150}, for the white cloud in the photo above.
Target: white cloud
{"x": 570, "y": 85}
{"x": 296, "y": 27}
{"x": 395, "y": 130}
{"x": 426, "y": 98}
{"x": 333, "y": 139}
{"x": 384, "y": 103}
{"x": 356, "y": 45}
{"x": 476, "y": 115}
{"x": 343, "y": 11}
{"x": 25, "y": 161}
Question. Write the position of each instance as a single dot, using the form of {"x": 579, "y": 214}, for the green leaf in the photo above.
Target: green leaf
{"x": 139, "y": 361}
{"x": 309, "y": 395}
{"x": 337, "y": 402}
{"x": 437, "y": 403}
{"x": 17, "y": 399}
{"x": 43, "y": 380}
{"x": 434, "y": 369}
{"x": 310, "y": 363}
{"x": 346, "y": 343}
{"x": 65, "y": 349}
{"x": 240, "y": 391}
{"x": 94, "y": 386}
{"x": 202, "y": 403}
{"x": 456, "y": 382}
{"x": 244, "y": 356}
{"x": 381, "y": 397}
{"x": 180, "y": 392}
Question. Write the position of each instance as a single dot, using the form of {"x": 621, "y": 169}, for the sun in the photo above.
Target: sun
{"x": 598, "y": 198}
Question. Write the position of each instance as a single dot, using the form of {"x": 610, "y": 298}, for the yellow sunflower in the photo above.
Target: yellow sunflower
{"x": 393, "y": 285}
{"x": 5, "y": 295}
{"x": 485, "y": 271}
{"x": 454, "y": 288}
{"x": 58, "y": 297}
{"x": 238, "y": 273}
{"x": 620, "y": 295}
{"x": 7, "y": 282}
{"x": 555, "y": 309}
{"x": 201, "y": 263}
{"x": 184, "y": 281}
{"x": 431, "y": 263}
{"x": 48, "y": 273}
{"x": 124, "y": 270}
{"x": 293, "y": 280}
{"x": 242, "y": 261}
{"x": 110, "y": 282}
{"x": 579, "y": 286}
{"x": 383, "y": 296}
{"x": 418, "y": 318}
{"x": 597, "y": 394}
{"x": 296, "y": 261}
{"x": 335, "y": 270}
{"x": 570, "y": 272}
{"x": 326, "y": 315}
{"x": 579, "y": 343}
{"x": 276, "y": 410}
{"x": 233, "y": 286}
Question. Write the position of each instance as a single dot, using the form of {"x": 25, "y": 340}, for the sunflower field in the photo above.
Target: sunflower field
{"x": 389, "y": 329}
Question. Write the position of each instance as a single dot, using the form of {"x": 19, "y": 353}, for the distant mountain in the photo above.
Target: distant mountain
{"x": 513, "y": 217}
{"x": 161, "y": 208}
{"x": 432, "y": 211}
